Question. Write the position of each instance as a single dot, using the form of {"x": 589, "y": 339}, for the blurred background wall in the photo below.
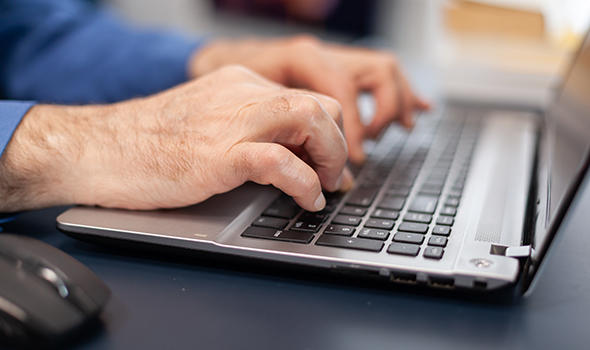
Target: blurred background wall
{"x": 479, "y": 46}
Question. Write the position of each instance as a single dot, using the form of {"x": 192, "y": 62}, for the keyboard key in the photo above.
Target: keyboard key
{"x": 313, "y": 217}
{"x": 418, "y": 217}
{"x": 448, "y": 211}
{"x": 340, "y": 230}
{"x": 380, "y": 223}
{"x": 413, "y": 227}
{"x": 452, "y": 202}
{"x": 403, "y": 249}
{"x": 385, "y": 214}
{"x": 362, "y": 196}
{"x": 373, "y": 234}
{"x": 398, "y": 191}
{"x": 356, "y": 211}
{"x": 392, "y": 203}
{"x": 433, "y": 252}
{"x": 347, "y": 220}
{"x": 438, "y": 241}
{"x": 265, "y": 221}
{"x": 306, "y": 226}
{"x": 441, "y": 230}
{"x": 407, "y": 237}
{"x": 424, "y": 204}
{"x": 445, "y": 220}
{"x": 278, "y": 235}
{"x": 283, "y": 207}
{"x": 350, "y": 243}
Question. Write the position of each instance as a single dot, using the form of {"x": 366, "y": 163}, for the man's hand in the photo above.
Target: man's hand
{"x": 179, "y": 147}
{"x": 338, "y": 71}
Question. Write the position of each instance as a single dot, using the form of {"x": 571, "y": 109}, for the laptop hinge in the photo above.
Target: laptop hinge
{"x": 524, "y": 251}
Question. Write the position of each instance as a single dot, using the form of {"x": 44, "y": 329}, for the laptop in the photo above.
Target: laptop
{"x": 470, "y": 200}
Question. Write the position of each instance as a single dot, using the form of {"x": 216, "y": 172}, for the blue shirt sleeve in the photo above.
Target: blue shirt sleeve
{"x": 70, "y": 51}
{"x": 11, "y": 113}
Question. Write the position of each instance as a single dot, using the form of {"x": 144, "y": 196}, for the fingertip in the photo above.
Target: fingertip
{"x": 320, "y": 202}
{"x": 347, "y": 180}
{"x": 423, "y": 104}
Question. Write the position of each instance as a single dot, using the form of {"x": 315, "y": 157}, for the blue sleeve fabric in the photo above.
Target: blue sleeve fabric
{"x": 11, "y": 113}
{"x": 72, "y": 52}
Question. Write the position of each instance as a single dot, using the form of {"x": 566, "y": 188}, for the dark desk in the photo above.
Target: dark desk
{"x": 161, "y": 302}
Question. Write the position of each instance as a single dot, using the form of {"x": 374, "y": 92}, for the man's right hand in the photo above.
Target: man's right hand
{"x": 178, "y": 147}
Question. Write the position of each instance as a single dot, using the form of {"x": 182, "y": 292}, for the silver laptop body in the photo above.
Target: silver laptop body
{"x": 506, "y": 179}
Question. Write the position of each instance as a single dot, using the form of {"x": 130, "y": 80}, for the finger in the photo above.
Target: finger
{"x": 315, "y": 73}
{"x": 298, "y": 119}
{"x": 406, "y": 98}
{"x": 273, "y": 164}
{"x": 388, "y": 104}
{"x": 421, "y": 103}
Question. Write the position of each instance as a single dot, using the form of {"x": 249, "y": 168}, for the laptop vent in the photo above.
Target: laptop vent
{"x": 488, "y": 236}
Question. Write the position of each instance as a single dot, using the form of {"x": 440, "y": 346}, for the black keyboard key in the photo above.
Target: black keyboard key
{"x": 413, "y": 227}
{"x": 380, "y": 223}
{"x": 347, "y": 220}
{"x": 418, "y": 217}
{"x": 424, "y": 204}
{"x": 441, "y": 230}
{"x": 306, "y": 226}
{"x": 362, "y": 196}
{"x": 407, "y": 237}
{"x": 448, "y": 211}
{"x": 445, "y": 220}
{"x": 392, "y": 203}
{"x": 283, "y": 207}
{"x": 278, "y": 235}
{"x": 356, "y": 211}
{"x": 350, "y": 243}
{"x": 340, "y": 230}
{"x": 265, "y": 221}
{"x": 385, "y": 214}
{"x": 438, "y": 241}
{"x": 403, "y": 249}
{"x": 372, "y": 233}
{"x": 313, "y": 217}
{"x": 332, "y": 201}
{"x": 433, "y": 252}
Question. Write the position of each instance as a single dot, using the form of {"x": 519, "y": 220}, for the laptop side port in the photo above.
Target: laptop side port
{"x": 441, "y": 282}
{"x": 480, "y": 285}
{"x": 403, "y": 277}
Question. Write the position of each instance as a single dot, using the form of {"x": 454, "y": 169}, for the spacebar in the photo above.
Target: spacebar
{"x": 351, "y": 243}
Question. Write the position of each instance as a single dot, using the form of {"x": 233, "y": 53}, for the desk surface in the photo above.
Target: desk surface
{"x": 160, "y": 302}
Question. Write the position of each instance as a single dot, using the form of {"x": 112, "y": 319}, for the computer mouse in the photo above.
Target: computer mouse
{"x": 45, "y": 294}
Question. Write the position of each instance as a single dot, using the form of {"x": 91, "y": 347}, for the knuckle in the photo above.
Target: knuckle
{"x": 389, "y": 62}
{"x": 236, "y": 70}
{"x": 309, "y": 104}
{"x": 273, "y": 158}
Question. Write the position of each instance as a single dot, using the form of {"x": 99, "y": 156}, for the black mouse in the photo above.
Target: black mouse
{"x": 45, "y": 294}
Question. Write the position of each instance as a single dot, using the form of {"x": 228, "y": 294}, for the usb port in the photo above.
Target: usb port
{"x": 403, "y": 277}
{"x": 442, "y": 282}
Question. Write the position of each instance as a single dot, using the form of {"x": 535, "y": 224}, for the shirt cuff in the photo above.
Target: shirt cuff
{"x": 11, "y": 114}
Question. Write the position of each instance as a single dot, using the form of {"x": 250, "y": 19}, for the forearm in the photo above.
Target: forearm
{"x": 40, "y": 166}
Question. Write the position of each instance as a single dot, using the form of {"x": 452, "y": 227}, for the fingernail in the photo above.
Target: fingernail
{"x": 320, "y": 202}
{"x": 347, "y": 180}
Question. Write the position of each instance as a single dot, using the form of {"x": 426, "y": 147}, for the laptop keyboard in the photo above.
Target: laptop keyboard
{"x": 406, "y": 196}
